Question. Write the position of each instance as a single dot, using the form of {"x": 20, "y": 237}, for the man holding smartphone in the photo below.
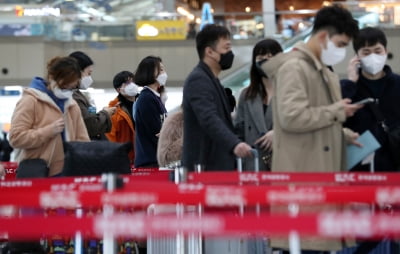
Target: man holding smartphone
{"x": 370, "y": 77}
{"x": 309, "y": 111}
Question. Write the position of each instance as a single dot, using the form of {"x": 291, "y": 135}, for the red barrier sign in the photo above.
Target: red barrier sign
{"x": 145, "y": 193}
{"x": 331, "y": 225}
{"x": 293, "y": 177}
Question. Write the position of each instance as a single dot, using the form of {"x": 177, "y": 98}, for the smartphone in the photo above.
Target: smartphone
{"x": 365, "y": 101}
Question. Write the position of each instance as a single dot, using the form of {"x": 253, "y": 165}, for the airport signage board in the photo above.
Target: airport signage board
{"x": 153, "y": 30}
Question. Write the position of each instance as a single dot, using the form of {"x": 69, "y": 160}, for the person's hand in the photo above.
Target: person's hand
{"x": 265, "y": 141}
{"x": 350, "y": 109}
{"x": 58, "y": 126}
{"x": 242, "y": 150}
{"x": 352, "y": 139}
{"x": 353, "y": 69}
{"x": 110, "y": 110}
{"x": 2, "y": 170}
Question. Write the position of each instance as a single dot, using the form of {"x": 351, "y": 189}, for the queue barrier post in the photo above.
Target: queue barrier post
{"x": 109, "y": 242}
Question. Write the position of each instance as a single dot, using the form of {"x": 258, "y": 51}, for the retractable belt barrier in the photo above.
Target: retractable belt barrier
{"x": 146, "y": 193}
{"x": 217, "y": 178}
{"x": 224, "y": 177}
{"x": 333, "y": 225}
{"x": 291, "y": 177}
{"x": 146, "y": 188}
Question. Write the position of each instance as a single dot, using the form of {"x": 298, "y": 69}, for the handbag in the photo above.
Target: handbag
{"x": 34, "y": 168}
{"x": 96, "y": 157}
{"x": 31, "y": 168}
{"x": 392, "y": 132}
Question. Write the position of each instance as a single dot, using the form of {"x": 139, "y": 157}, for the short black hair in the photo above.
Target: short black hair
{"x": 144, "y": 74}
{"x": 337, "y": 20}
{"x": 83, "y": 59}
{"x": 209, "y": 36}
{"x": 369, "y": 36}
{"x": 122, "y": 77}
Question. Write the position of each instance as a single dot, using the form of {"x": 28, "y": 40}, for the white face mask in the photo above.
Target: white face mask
{"x": 373, "y": 63}
{"x": 62, "y": 93}
{"x": 332, "y": 55}
{"x": 86, "y": 82}
{"x": 131, "y": 89}
{"x": 162, "y": 78}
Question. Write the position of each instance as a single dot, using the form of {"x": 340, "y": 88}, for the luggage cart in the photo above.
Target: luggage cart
{"x": 196, "y": 244}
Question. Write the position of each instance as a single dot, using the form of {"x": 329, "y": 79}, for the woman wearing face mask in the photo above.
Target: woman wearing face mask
{"x": 123, "y": 128}
{"x": 149, "y": 111}
{"x": 253, "y": 121}
{"x": 99, "y": 123}
{"x": 46, "y": 115}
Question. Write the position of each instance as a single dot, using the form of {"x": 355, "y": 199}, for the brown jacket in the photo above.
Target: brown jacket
{"x": 97, "y": 124}
{"x": 308, "y": 118}
{"x": 32, "y": 128}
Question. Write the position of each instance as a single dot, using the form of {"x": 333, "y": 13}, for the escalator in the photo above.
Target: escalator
{"x": 240, "y": 78}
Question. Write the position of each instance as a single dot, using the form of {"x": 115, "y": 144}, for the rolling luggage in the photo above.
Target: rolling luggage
{"x": 196, "y": 244}
{"x": 240, "y": 245}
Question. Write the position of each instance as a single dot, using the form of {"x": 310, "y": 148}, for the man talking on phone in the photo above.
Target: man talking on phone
{"x": 370, "y": 77}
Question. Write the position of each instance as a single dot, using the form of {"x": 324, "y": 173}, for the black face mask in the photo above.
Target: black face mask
{"x": 226, "y": 60}
{"x": 259, "y": 69}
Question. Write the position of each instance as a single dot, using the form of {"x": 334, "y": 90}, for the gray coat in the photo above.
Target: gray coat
{"x": 208, "y": 133}
{"x": 251, "y": 123}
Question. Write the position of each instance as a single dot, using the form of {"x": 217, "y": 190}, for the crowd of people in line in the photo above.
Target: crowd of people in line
{"x": 295, "y": 111}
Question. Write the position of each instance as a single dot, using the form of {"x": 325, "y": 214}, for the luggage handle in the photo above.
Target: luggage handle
{"x": 256, "y": 162}
{"x": 256, "y": 170}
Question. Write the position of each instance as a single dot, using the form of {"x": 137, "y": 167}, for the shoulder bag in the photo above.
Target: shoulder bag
{"x": 35, "y": 168}
{"x": 393, "y": 132}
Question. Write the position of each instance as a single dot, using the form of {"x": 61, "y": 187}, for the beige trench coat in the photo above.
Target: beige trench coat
{"x": 308, "y": 117}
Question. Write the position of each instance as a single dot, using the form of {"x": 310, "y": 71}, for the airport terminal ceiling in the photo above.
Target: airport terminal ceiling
{"x": 112, "y": 10}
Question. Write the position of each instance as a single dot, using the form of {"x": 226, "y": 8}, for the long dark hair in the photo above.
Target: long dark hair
{"x": 267, "y": 46}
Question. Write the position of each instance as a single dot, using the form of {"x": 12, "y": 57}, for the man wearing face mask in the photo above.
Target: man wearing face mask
{"x": 97, "y": 123}
{"x": 309, "y": 111}
{"x": 368, "y": 76}
{"x": 123, "y": 128}
{"x": 209, "y": 140}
